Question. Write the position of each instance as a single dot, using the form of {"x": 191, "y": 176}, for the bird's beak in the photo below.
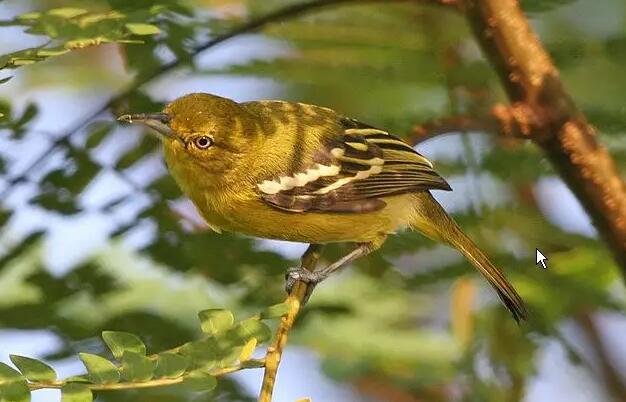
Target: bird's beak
{"x": 159, "y": 122}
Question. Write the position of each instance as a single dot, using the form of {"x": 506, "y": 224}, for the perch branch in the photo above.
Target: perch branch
{"x": 294, "y": 301}
{"x": 542, "y": 105}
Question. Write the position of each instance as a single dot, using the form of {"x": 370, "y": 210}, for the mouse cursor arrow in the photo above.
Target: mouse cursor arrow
{"x": 541, "y": 259}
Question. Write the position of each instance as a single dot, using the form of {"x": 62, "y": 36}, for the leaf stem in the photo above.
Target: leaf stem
{"x": 159, "y": 382}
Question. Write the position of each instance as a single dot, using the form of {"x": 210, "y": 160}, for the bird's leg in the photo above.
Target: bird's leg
{"x": 308, "y": 261}
{"x": 312, "y": 278}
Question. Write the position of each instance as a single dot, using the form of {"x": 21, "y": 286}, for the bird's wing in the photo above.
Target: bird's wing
{"x": 353, "y": 172}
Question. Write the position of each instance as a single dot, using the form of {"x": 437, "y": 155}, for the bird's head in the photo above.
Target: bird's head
{"x": 201, "y": 133}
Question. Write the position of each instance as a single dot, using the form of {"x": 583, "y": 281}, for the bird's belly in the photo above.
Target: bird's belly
{"x": 255, "y": 218}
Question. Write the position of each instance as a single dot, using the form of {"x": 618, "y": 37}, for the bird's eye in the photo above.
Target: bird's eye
{"x": 203, "y": 142}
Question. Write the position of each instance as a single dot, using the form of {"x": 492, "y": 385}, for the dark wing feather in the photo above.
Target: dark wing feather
{"x": 360, "y": 166}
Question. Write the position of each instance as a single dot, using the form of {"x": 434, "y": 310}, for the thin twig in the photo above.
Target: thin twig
{"x": 510, "y": 121}
{"x": 451, "y": 124}
{"x": 612, "y": 378}
{"x": 275, "y": 350}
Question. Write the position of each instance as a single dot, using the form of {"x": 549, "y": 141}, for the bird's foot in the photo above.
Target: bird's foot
{"x": 311, "y": 278}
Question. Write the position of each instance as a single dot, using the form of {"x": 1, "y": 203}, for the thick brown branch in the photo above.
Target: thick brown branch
{"x": 554, "y": 123}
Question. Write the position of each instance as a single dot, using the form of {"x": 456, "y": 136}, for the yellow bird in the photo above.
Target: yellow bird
{"x": 304, "y": 173}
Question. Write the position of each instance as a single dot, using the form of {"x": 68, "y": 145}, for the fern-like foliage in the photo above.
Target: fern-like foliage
{"x": 226, "y": 347}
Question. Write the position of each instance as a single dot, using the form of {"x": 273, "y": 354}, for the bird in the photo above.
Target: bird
{"x": 305, "y": 173}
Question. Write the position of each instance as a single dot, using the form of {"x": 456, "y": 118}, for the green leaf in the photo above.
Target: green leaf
{"x": 142, "y": 29}
{"x": 29, "y": 113}
{"x": 166, "y": 187}
{"x": 253, "y": 328}
{"x": 5, "y": 108}
{"x": 78, "y": 378}
{"x": 137, "y": 367}
{"x": 132, "y": 156}
{"x": 215, "y": 320}
{"x": 277, "y": 310}
{"x": 120, "y": 342}
{"x": 57, "y": 201}
{"x": 8, "y": 373}
{"x": 3, "y": 80}
{"x": 74, "y": 392}
{"x": 199, "y": 381}
{"x": 99, "y": 369}
{"x": 171, "y": 365}
{"x": 203, "y": 353}
{"x": 13, "y": 386}
{"x": 34, "y": 370}
{"x": 66, "y": 12}
{"x": 98, "y": 132}
{"x": 15, "y": 391}
{"x": 5, "y": 215}
{"x": 29, "y": 16}
{"x": 25, "y": 245}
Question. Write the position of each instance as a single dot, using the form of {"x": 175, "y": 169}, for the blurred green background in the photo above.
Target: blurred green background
{"x": 97, "y": 236}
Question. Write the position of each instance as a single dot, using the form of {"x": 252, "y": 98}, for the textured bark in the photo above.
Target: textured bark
{"x": 553, "y": 121}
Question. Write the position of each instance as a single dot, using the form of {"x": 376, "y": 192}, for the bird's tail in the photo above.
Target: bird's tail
{"x": 432, "y": 220}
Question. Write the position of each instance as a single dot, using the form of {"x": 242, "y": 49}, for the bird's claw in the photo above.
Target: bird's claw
{"x": 311, "y": 278}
